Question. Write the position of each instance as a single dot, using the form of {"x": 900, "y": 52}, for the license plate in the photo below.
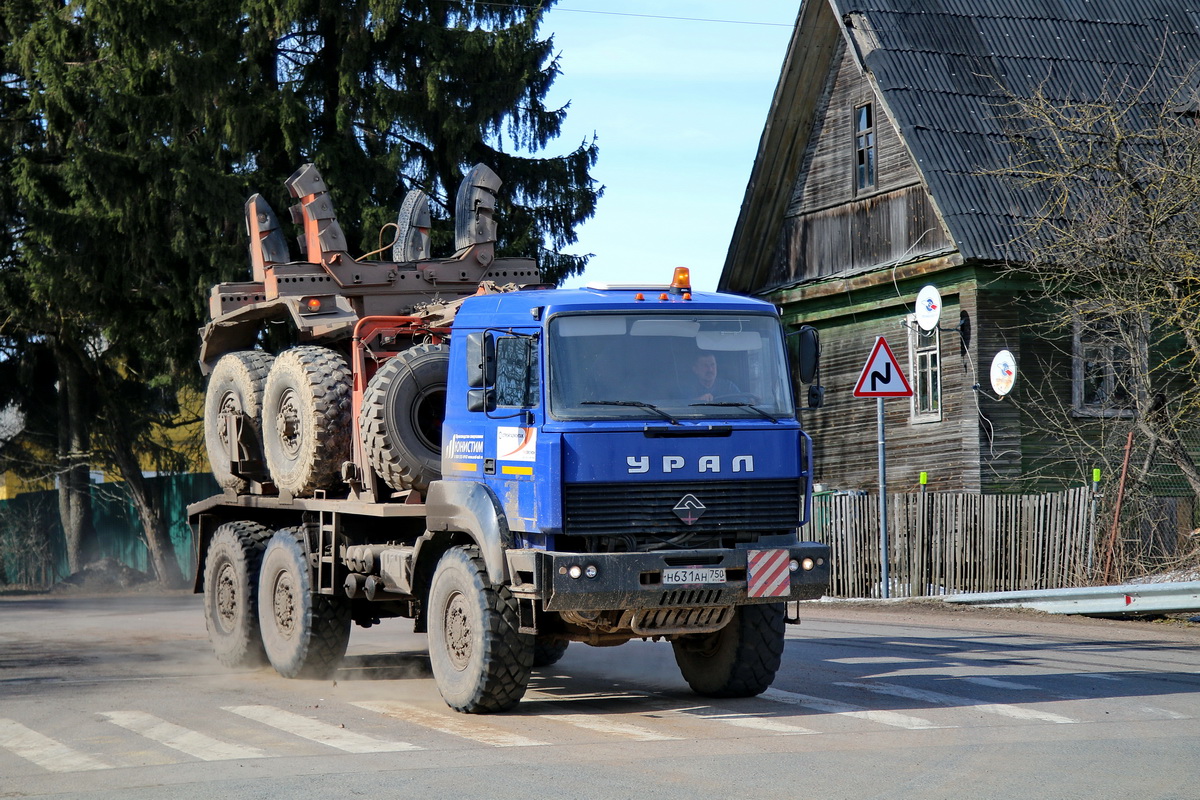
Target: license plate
{"x": 694, "y": 575}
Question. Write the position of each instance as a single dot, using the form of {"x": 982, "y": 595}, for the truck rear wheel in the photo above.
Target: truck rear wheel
{"x": 306, "y": 419}
{"x": 740, "y": 660}
{"x": 235, "y": 386}
{"x": 304, "y": 634}
{"x": 480, "y": 660}
{"x": 231, "y": 570}
{"x": 401, "y": 418}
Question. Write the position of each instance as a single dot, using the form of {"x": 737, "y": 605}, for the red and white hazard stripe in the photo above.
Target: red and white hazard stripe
{"x": 768, "y": 573}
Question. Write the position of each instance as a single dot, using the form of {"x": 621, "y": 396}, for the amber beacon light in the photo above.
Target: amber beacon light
{"x": 682, "y": 280}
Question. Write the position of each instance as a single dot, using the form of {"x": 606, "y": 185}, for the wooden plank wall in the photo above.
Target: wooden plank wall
{"x": 950, "y": 542}
{"x": 830, "y": 227}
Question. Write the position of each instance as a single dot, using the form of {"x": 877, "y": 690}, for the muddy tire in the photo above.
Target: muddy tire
{"x": 306, "y": 419}
{"x": 236, "y": 385}
{"x": 480, "y": 661}
{"x": 740, "y": 660}
{"x": 304, "y": 634}
{"x": 401, "y": 418}
{"x": 547, "y": 651}
{"x": 231, "y": 569}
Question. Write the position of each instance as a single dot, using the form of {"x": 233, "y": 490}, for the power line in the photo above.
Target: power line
{"x": 651, "y": 16}
{"x": 682, "y": 19}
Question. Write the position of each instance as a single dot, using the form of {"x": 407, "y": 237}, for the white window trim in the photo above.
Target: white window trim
{"x": 915, "y": 415}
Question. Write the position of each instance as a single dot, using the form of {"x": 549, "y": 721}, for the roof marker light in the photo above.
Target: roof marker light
{"x": 639, "y": 296}
{"x": 663, "y": 296}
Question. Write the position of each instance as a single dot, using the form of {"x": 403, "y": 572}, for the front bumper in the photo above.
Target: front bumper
{"x": 634, "y": 580}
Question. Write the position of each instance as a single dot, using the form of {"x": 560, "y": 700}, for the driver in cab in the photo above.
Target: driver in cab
{"x": 708, "y": 385}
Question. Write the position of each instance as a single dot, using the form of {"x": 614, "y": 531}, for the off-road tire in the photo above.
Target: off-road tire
{"x": 741, "y": 659}
{"x": 235, "y": 384}
{"x": 231, "y": 569}
{"x": 547, "y": 651}
{"x": 306, "y": 419}
{"x": 304, "y": 634}
{"x": 401, "y": 418}
{"x": 480, "y": 660}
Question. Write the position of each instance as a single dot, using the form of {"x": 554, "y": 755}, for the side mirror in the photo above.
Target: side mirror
{"x": 808, "y": 353}
{"x": 481, "y": 360}
{"x": 481, "y": 400}
{"x": 816, "y": 396}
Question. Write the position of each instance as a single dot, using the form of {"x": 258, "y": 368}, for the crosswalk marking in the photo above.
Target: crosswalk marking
{"x": 191, "y": 742}
{"x": 890, "y": 718}
{"x": 937, "y": 698}
{"x": 997, "y": 683}
{"x": 455, "y": 726}
{"x": 749, "y": 721}
{"x": 44, "y": 751}
{"x": 602, "y": 724}
{"x": 317, "y": 731}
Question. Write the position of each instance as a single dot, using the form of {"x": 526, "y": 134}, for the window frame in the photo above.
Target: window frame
{"x": 866, "y": 150}
{"x": 1082, "y": 345}
{"x": 917, "y": 415}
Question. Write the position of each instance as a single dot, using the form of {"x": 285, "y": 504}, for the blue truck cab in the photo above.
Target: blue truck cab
{"x": 629, "y": 460}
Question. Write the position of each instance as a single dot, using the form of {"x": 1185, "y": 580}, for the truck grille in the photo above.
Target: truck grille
{"x": 737, "y": 506}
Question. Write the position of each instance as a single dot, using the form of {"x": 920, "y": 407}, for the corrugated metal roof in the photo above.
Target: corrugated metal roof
{"x": 944, "y": 66}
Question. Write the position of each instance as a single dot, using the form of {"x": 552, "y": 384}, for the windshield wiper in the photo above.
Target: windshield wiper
{"x": 750, "y": 406}
{"x": 634, "y": 404}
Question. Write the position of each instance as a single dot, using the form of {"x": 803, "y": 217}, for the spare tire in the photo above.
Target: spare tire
{"x": 401, "y": 418}
{"x": 236, "y": 386}
{"x": 306, "y": 419}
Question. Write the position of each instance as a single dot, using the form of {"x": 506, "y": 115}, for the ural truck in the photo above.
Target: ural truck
{"x": 511, "y": 466}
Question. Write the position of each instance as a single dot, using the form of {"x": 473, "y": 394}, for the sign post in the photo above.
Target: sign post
{"x": 882, "y": 377}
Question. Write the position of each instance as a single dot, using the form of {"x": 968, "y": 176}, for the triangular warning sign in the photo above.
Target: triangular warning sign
{"x": 882, "y": 376}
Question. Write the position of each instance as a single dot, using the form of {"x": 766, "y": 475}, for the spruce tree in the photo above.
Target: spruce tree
{"x": 389, "y": 96}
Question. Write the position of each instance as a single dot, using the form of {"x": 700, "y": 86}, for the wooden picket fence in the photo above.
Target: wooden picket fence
{"x": 949, "y": 542}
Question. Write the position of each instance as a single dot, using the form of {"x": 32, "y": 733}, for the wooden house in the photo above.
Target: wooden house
{"x": 877, "y": 174}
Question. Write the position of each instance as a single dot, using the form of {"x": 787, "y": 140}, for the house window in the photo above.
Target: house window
{"x": 1106, "y": 351}
{"x": 864, "y": 146}
{"x": 925, "y": 369}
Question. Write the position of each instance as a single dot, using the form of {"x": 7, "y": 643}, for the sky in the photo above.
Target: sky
{"x": 678, "y": 103}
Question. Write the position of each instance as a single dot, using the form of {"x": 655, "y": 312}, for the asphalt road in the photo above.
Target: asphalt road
{"x": 118, "y": 697}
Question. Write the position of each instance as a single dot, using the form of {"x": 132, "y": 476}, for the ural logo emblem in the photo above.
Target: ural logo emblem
{"x": 689, "y": 509}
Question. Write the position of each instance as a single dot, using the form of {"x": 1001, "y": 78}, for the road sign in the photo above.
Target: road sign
{"x": 882, "y": 376}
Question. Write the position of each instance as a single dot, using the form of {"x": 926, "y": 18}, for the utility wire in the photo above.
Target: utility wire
{"x": 649, "y": 16}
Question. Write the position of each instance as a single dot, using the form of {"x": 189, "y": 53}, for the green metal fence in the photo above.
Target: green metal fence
{"x": 33, "y": 549}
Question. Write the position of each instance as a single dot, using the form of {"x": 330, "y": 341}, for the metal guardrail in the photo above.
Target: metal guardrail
{"x": 1131, "y": 599}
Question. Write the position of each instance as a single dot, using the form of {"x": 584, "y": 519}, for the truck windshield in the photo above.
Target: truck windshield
{"x": 668, "y": 366}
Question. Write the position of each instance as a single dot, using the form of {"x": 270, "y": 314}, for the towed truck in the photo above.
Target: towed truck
{"x": 514, "y": 467}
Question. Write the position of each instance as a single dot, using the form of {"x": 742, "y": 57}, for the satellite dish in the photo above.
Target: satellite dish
{"x": 929, "y": 308}
{"x": 1004, "y": 372}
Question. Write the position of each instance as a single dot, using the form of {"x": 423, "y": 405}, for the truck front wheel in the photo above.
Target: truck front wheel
{"x": 305, "y": 634}
{"x": 480, "y": 661}
{"x": 740, "y": 660}
{"x": 231, "y": 570}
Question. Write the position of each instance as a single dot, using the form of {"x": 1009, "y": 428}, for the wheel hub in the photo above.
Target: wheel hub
{"x": 287, "y": 423}
{"x": 227, "y": 597}
{"x": 284, "y": 605}
{"x": 229, "y": 405}
{"x": 458, "y": 632}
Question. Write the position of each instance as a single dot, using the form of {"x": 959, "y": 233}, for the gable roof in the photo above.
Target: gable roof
{"x": 941, "y": 69}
